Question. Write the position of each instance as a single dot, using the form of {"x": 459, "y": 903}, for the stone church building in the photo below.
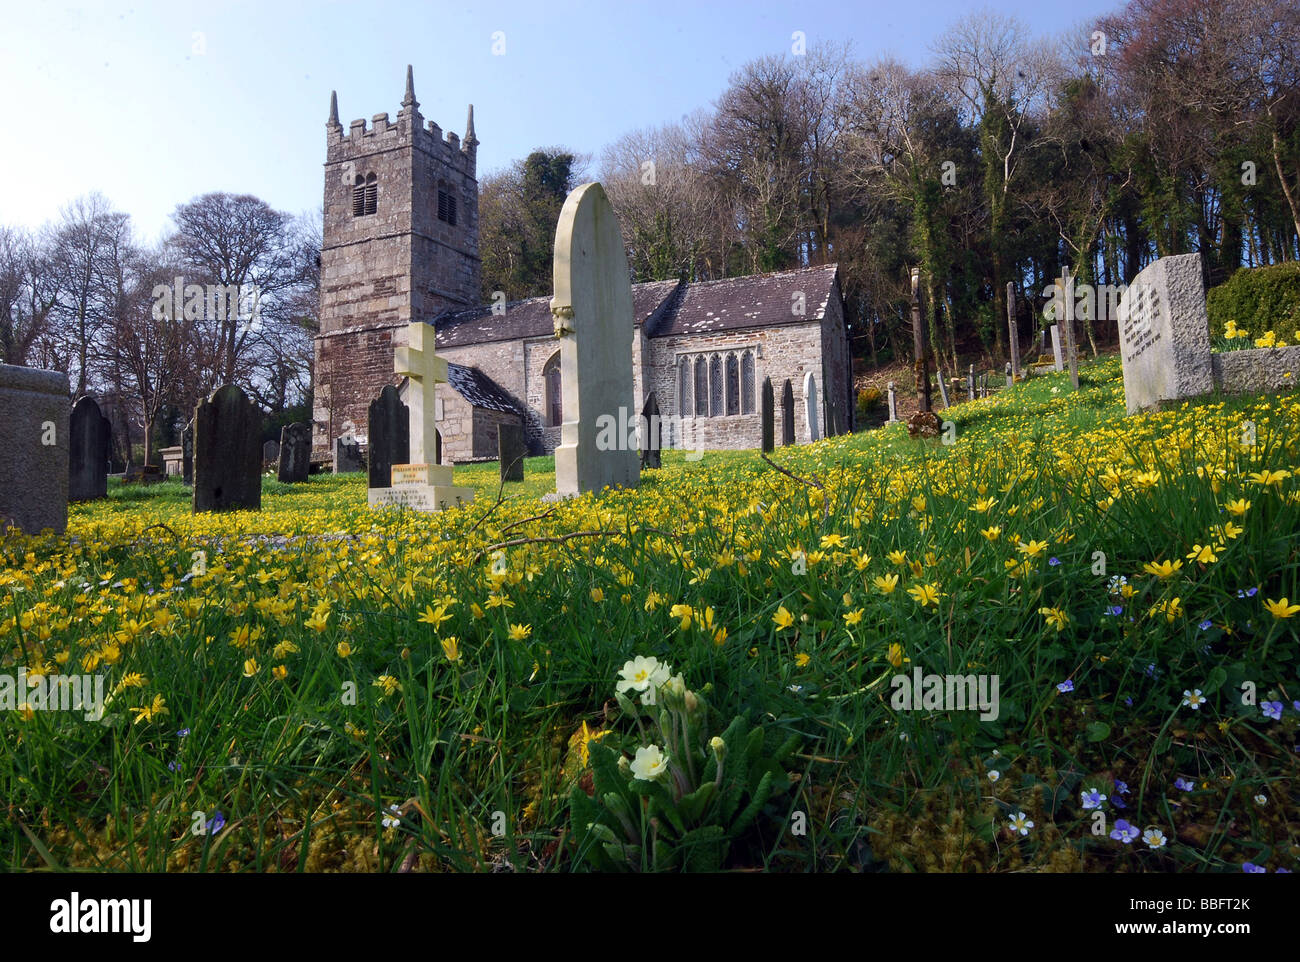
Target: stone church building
{"x": 401, "y": 244}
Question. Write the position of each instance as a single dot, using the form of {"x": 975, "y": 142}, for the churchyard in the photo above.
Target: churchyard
{"x": 322, "y": 686}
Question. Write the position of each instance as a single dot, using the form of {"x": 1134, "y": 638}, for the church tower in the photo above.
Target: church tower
{"x": 400, "y": 242}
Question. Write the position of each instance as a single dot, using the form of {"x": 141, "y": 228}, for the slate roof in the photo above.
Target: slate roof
{"x": 663, "y": 307}
{"x": 479, "y": 389}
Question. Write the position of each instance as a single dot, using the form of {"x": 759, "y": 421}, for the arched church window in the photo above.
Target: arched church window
{"x": 684, "y": 386}
{"x": 715, "y": 386}
{"x": 365, "y": 195}
{"x": 554, "y": 403}
{"x": 747, "y": 383}
{"x": 701, "y": 388}
{"x": 733, "y": 385}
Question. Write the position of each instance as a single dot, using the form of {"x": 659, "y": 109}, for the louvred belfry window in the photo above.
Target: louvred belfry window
{"x": 365, "y": 196}
{"x": 446, "y": 208}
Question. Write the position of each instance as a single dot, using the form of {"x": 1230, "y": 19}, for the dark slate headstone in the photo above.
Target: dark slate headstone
{"x": 652, "y": 424}
{"x": 389, "y": 431}
{"x": 347, "y": 455}
{"x": 33, "y": 450}
{"x": 787, "y": 413}
{"x": 295, "y": 453}
{"x": 187, "y": 454}
{"x": 511, "y": 451}
{"x": 227, "y": 454}
{"x": 90, "y": 436}
{"x": 768, "y": 415}
{"x": 270, "y": 451}
{"x": 832, "y": 413}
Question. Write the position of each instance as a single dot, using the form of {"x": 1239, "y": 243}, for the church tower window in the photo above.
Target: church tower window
{"x": 447, "y": 207}
{"x": 365, "y": 195}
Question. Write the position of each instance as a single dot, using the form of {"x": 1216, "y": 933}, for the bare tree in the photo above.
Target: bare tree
{"x": 28, "y": 294}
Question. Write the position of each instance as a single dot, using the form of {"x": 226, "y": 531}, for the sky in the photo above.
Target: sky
{"x": 153, "y": 104}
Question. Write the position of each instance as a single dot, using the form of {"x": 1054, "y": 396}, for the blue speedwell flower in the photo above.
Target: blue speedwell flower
{"x": 1183, "y": 785}
{"x": 216, "y": 823}
{"x": 1092, "y": 798}
{"x": 1272, "y": 709}
{"x": 1250, "y": 868}
{"x": 1053, "y": 561}
{"x": 1248, "y": 593}
{"x": 1124, "y": 832}
{"x": 1206, "y": 625}
{"x": 1067, "y": 685}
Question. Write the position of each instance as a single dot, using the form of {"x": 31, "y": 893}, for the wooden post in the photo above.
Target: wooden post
{"x": 920, "y": 345}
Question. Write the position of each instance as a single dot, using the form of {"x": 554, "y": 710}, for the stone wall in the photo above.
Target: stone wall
{"x": 1256, "y": 370}
{"x": 468, "y": 433}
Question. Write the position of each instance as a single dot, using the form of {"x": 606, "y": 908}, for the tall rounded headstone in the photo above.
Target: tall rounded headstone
{"x": 90, "y": 436}
{"x": 33, "y": 449}
{"x": 389, "y": 433}
{"x": 787, "y": 413}
{"x": 593, "y": 319}
{"x": 227, "y": 452}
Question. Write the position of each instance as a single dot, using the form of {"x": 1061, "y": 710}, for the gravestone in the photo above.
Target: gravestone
{"x": 593, "y": 319}
{"x": 943, "y": 389}
{"x": 34, "y": 439}
{"x": 787, "y": 413}
{"x": 652, "y": 434}
{"x": 187, "y": 454}
{"x": 768, "y": 416}
{"x": 420, "y": 485}
{"x": 270, "y": 451}
{"x": 90, "y": 436}
{"x": 1057, "y": 359}
{"x": 1165, "y": 334}
{"x": 511, "y": 451}
{"x": 295, "y": 453}
{"x": 347, "y": 454}
{"x": 811, "y": 403}
{"x": 227, "y": 454}
{"x": 893, "y": 403}
{"x": 388, "y": 432}
{"x": 1011, "y": 330}
{"x": 1010, "y": 374}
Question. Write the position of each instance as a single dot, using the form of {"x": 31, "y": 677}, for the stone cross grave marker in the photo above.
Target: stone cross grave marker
{"x": 787, "y": 413}
{"x": 893, "y": 402}
{"x": 295, "y": 453}
{"x": 90, "y": 436}
{"x": 421, "y": 484}
{"x": 1165, "y": 334}
{"x": 33, "y": 449}
{"x": 227, "y": 453}
{"x": 593, "y": 318}
{"x": 388, "y": 432}
{"x": 511, "y": 451}
{"x": 767, "y": 416}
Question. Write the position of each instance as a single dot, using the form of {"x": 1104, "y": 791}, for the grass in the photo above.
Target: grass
{"x": 455, "y": 674}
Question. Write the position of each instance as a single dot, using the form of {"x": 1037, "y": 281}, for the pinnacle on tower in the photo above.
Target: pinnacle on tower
{"x": 334, "y": 109}
{"x": 470, "y": 140}
{"x": 409, "y": 100}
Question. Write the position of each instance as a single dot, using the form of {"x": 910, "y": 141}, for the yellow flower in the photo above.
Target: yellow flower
{"x": 832, "y": 541}
{"x": 520, "y": 632}
{"x": 250, "y": 668}
{"x": 802, "y": 659}
{"x": 1268, "y": 340}
{"x": 1227, "y": 531}
{"x": 1281, "y": 608}
{"x": 1033, "y": 549}
{"x": 860, "y": 561}
{"x": 435, "y": 618}
{"x": 317, "y": 623}
{"x": 1267, "y": 478}
{"x": 1057, "y": 618}
{"x": 1204, "y": 553}
{"x": 783, "y": 619}
{"x": 993, "y": 533}
{"x": 885, "y": 583}
{"x": 653, "y": 600}
{"x": 279, "y": 672}
{"x": 475, "y": 610}
{"x": 925, "y": 595}
{"x": 720, "y": 637}
{"x": 389, "y": 684}
{"x": 451, "y": 648}
{"x": 1162, "y": 569}
{"x": 983, "y": 505}
{"x": 154, "y": 710}
{"x": 283, "y": 649}
{"x": 1239, "y": 507}
{"x": 597, "y": 595}
{"x": 853, "y": 617}
{"x": 895, "y": 655}
{"x": 344, "y": 649}
{"x": 110, "y": 654}
{"x": 897, "y": 557}
{"x": 918, "y": 502}
{"x": 684, "y": 612}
